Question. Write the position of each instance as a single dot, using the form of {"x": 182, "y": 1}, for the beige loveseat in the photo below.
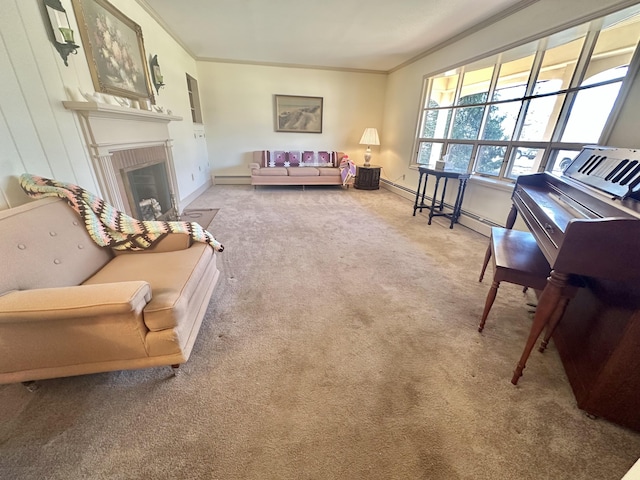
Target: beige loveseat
{"x": 277, "y": 167}
{"x": 69, "y": 307}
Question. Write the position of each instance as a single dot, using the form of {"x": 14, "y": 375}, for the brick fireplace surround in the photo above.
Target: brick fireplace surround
{"x": 121, "y": 139}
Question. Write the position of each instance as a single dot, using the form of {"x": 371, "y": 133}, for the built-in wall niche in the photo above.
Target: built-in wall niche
{"x": 148, "y": 192}
{"x": 194, "y": 99}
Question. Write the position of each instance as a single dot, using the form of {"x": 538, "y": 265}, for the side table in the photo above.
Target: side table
{"x": 436, "y": 207}
{"x": 367, "y": 178}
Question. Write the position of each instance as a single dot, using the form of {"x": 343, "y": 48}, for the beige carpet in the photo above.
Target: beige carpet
{"x": 340, "y": 344}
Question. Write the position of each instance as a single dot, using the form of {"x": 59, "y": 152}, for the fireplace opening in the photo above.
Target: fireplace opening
{"x": 149, "y": 192}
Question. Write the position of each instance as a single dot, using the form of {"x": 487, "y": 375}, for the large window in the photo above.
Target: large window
{"x": 533, "y": 107}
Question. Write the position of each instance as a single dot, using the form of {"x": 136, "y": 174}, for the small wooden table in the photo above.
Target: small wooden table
{"x": 436, "y": 207}
{"x": 367, "y": 178}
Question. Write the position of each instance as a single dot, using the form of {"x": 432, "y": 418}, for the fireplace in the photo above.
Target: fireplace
{"x": 132, "y": 158}
{"x": 148, "y": 193}
{"x": 144, "y": 181}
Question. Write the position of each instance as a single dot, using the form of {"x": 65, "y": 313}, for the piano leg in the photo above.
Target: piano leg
{"x": 553, "y": 322}
{"x": 547, "y": 305}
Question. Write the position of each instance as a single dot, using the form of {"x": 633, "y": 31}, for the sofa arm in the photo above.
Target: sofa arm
{"x": 254, "y": 166}
{"x": 82, "y": 301}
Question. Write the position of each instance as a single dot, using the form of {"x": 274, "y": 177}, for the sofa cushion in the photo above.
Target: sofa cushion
{"x": 303, "y": 172}
{"x": 271, "y": 172}
{"x": 172, "y": 285}
{"x": 329, "y": 172}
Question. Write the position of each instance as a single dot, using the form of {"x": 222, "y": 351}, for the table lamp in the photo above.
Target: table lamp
{"x": 369, "y": 137}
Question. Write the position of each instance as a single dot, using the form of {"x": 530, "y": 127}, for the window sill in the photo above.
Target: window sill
{"x": 492, "y": 183}
{"x": 487, "y": 182}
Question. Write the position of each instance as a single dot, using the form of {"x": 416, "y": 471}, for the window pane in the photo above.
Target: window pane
{"x": 428, "y": 153}
{"x": 512, "y": 82}
{"x": 458, "y": 156}
{"x": 443, "y": 90}
{"x": 501, "y": 121}
{"x": 541, "y": 118}
{"x": 475, "y": 85}
{"x": 559, "y": 160}
{"x": 436, "y": 123}
{"x": 524, "y": 161}
{"x": 589, "y": 113}
{"x": 558, "y": 66}
{"x": 489, "y": 159}
{"x": 614, "y": 48}
{"x": 466, "y": 123}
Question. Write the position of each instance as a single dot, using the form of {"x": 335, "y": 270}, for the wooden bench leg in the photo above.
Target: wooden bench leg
{"x": 487, "y": 257}
{"x": 491, "y": 296}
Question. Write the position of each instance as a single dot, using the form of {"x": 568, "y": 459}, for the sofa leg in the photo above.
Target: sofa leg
{"x": 175, "y": 369}
{"x": 31, "y": 385}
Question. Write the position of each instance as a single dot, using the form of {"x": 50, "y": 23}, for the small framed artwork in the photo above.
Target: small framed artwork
{"x": 115, "y": 49}
{"x": 298, "y": 114}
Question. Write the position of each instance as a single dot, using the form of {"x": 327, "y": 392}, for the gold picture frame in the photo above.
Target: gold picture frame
{"x": 298, "y": 114}
{"x": 115, "y": 50}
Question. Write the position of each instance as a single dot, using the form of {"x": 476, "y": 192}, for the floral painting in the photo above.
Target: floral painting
{"x": 115, "y": 49}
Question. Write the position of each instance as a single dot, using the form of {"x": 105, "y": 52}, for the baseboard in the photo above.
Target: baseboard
{"x": 231, "y": 179}
{"x": 199, "y": 191}
{"x": 469, "y": 220}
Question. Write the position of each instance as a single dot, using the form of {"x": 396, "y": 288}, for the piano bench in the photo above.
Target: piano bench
{"x": 516, "y": 259}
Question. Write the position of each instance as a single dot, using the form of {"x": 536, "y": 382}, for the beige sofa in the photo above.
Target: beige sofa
{"x": 69, "y": 307}
{"x": 273, "y": 167}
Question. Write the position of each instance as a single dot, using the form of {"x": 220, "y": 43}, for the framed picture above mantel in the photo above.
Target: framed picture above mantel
{"x": 298, "y": 114}
{"x": 115, "y": 50}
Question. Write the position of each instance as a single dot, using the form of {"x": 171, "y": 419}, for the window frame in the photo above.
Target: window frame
{"x": 551, "y": 147}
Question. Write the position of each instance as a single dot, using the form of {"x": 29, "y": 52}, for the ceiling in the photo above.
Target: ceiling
{"x": 370, "y": 35}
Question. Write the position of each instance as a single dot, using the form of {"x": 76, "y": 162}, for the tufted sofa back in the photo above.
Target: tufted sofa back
{"x": 44, "y": 244}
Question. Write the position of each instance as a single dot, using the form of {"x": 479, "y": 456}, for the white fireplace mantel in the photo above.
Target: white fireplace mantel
{"x": 108, "y": 128}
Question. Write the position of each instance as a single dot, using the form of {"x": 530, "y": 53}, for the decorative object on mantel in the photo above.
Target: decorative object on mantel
{"x": 115, "y": 50}
{"x": 156, "y": 74}
{"x": 298, "y": 114}
{"x": 60, "y": 31}
{"x": 369, "y": 137}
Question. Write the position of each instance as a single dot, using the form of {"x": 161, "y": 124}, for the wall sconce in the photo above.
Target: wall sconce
{"x": 60, "y": 30}
{"x": 156, "y": 74}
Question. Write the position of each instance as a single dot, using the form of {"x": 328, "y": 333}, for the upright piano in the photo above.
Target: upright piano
{"x": 586, "y": 222}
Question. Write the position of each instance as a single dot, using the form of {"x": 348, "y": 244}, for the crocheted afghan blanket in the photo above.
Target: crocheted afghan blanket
{"x": 107, "y": 226}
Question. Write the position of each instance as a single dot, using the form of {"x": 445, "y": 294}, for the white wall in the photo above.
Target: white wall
{"x": 404, "y": 88}
{"x": 37, "y": 134}
{"x": 238, "y": 111}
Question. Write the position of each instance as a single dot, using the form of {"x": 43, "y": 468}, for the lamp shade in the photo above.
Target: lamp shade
{"x": 370, "y": 137}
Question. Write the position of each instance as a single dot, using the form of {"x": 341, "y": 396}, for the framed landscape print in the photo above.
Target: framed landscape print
{"x": 114, "y": 48}
{"x": 298, "y": 114}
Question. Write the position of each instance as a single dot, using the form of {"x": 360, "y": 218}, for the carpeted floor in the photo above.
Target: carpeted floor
{"x": 341, "y": 343}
